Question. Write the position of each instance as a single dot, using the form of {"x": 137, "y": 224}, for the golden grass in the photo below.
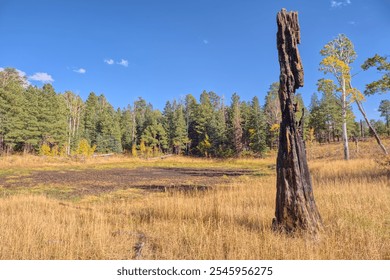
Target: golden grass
{"x": 21, "y": 165}
{"x": 230, "y": 222}
{"x": 335, "y": 150}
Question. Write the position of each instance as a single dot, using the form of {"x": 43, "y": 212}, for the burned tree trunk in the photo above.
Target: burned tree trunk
{"x": 295, "y": 205}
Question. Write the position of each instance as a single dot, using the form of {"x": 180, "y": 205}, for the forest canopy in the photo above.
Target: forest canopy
{"x": 40, "y": 120}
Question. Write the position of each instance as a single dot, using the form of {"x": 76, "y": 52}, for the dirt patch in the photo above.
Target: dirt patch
{"x": 95, "y": 182}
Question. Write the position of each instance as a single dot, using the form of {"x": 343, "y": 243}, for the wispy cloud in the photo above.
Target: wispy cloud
{"x": 339, "y": 4}
{"x": 335, "y": 4}
{"x": 205, "y": 41}
{"x": 80, "y": 71}
{"x": 41, "y": 77}
{"x": 109, "y": 61}
{"x": 352, "y": 22}
{"x": 123, "y": 62}
{"x": 21, "y": 73}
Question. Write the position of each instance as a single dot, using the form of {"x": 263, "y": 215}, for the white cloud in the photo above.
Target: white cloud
{"x": 109, "y": 61}
{"x": 80, "y": 71}
{"x": 21, "y": 73}
{"x": 123, "y": 62}
{"x": 352, "y": 22}
{"x": 1, "y": 69}
{"x": 205, "y": 41}
{"x": 335, "y": 4}
{"x": 41, "y": 77}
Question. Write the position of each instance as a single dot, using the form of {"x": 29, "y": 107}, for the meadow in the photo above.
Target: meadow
{"x": 189, "y": 208}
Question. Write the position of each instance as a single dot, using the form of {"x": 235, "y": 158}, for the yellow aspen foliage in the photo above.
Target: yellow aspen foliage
{"x": 84, "y": 148}
{"x": 142, "y": 147}
{"x": 149, "y": 152}
{"x": 275, "y": 127}
{"x": 54, "y": 151}
{"x": 341, "y": 70}
{"x": 356, "y": 95}
{"x": 134, "y": 150}
{"x": 205, "y": 145}
{"x": 44, "y": 150}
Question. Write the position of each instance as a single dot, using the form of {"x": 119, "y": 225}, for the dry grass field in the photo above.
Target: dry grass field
{"x": 186, "y": 208}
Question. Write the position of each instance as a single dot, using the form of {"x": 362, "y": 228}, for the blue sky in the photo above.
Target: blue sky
{"x": 163, "y": 50}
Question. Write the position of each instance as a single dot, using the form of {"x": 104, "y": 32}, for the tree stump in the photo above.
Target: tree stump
{"x": 295, "y": 205}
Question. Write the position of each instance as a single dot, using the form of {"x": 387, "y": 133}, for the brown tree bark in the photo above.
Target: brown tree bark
{"x": 295, "y": 205}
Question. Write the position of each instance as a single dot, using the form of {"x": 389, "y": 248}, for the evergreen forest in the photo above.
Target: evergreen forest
{"x": 39, "y": 120}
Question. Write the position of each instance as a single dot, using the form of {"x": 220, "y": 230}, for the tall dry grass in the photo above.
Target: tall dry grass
{"x": 230, "y": 222}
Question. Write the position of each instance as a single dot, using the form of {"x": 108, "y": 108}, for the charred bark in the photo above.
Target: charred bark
{"x": 295, "y": 205}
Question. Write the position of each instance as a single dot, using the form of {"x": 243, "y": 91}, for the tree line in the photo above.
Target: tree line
{"x": 41, "y": 120}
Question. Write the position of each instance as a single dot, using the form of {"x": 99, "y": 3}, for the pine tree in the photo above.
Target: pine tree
{"x": 168, "y": 124}
{"x": 245, "y": 110}
{"x": 52, "y": 117}
{"x": 325, "y": 114}
{"x": 31, "y": 125}
{"x": 140, "y": 110}
{"x": 202, "y": 126}
{"x": 381, "y": 64}
{"x": 191, "y": 111}
{"x": 330, "y": 115}
{"x": 108, "y": 128}
{"x": 127, "y": 128}
{"x": 179, "y": 135}
{"x": 90, "y": 119}
{"x": 236, "y": 125}
{"x": 12, "y": 110}
{"x": 221, "y": 142}
{"x": 273, "y": 115}
{"x": 257, "y": 134}
{"x": 216, "y": 126}
{"x": 384, "y": 109}
{"x": 154, "y": 135}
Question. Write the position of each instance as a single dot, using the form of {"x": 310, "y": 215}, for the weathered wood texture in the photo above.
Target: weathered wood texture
{"x": 295, "y": 205}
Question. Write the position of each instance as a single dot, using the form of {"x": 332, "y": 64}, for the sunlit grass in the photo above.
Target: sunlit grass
{"x": 231, "y": 221}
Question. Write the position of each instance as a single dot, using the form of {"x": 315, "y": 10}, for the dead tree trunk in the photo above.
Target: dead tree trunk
{"x": 295, "y": 205}
{"x": 378, "y": 140}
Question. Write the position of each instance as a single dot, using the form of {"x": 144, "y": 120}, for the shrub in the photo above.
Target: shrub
{"x": 44, "y": 150}
{"x": 134, "y": 150}
{"x": 84, "y": 149}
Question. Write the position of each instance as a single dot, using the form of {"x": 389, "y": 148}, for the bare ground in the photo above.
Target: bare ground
{"x": 95, "y": 182}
